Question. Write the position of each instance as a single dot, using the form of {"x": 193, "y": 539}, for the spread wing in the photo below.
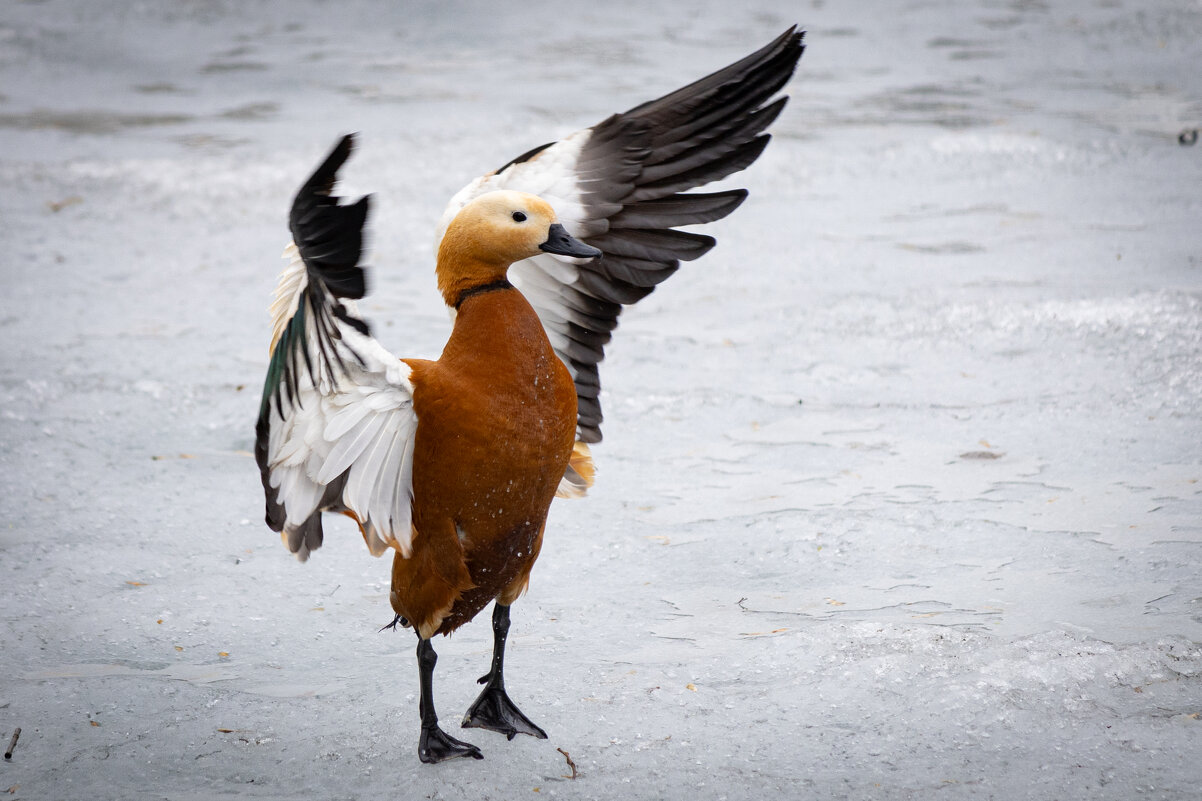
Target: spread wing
{"x": 622, "y": 186}
{"x": 336, "y": 422}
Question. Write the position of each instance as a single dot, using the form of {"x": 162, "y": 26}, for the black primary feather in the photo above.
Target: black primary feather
{"x": 636, "y": 170}
{"x": 329, "y": 236}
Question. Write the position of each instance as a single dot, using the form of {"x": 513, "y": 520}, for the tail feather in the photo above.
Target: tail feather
{"x": 579, "y": 475}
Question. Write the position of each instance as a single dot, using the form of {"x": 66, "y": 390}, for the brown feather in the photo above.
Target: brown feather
{"x": 497, "y": 418}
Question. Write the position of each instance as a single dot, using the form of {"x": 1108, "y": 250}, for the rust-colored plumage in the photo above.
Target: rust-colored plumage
{"x": 497, "y": 423}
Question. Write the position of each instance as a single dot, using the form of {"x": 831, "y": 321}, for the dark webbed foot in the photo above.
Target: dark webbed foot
{"x": 435, "y": 745}
{"x": 494, "y": 711}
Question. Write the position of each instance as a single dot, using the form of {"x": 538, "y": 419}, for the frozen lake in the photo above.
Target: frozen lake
{"x": 900, "y": 488}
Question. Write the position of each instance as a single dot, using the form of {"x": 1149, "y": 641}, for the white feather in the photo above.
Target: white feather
{"x": 560, "y": 270}
{"x": 288, "y": 288}
{"x": 303, "y": 496}
{"x": 359, "y": 419}
{"x": 349, "y": 448}
{"x": 342, "y": 417}
{"x": 551, "y": 174}
{"x": 365, "y": 474}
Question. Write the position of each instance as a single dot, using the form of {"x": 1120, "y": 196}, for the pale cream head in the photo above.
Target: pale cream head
{"x": 492, "y": 232}
{"x": 486, "y": 236}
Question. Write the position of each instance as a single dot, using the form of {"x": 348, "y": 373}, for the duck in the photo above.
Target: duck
{"x": 451, "y": 464}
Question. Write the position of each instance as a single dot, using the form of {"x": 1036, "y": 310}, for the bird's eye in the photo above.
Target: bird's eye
{"x": 519, "y": 216}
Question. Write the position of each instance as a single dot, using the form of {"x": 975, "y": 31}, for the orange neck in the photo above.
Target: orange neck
{"x": 462, "y": 268}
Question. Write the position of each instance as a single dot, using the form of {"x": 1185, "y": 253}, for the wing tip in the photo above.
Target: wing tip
{"x": 328, "y": 235}
{"x": 333, "y": 162}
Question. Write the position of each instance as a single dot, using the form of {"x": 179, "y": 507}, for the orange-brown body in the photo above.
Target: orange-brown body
{"x": 496, "y": 425}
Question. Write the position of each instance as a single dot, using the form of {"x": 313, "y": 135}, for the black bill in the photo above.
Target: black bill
{"x": 561, "y": 243}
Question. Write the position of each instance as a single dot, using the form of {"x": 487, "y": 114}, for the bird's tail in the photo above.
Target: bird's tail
{"x": 578, "y": 476}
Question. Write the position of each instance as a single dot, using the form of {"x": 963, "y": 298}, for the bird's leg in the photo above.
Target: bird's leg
{"x": 493, "y": 710}
{"x": 435, "y": 745}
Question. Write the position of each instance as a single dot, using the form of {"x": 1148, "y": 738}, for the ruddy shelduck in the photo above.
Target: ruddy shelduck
{"x": 453, "y": 463}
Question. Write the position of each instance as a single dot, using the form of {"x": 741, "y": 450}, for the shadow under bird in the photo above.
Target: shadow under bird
{"x": 453, "y": 463}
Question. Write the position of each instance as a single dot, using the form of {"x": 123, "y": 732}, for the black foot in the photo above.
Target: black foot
{"x": 396, "y": 621}
{"x": 494, "y": 711}
{"x": 436, "y": 745}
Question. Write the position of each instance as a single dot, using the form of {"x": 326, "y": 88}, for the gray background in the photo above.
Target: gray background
{"x": 899, "y": 493}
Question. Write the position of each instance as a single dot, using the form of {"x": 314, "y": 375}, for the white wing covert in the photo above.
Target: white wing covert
{"x": 336, "y": 423}
{"x": 622, "y": 186}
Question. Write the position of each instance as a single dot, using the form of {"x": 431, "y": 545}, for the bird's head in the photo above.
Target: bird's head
{"x": 492, "y": 232}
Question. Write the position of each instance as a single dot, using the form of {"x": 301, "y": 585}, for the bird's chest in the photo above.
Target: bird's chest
{"x": 522, "y": 404}
{"x": 513, "y": 420}
{"x": 496, "y": 422}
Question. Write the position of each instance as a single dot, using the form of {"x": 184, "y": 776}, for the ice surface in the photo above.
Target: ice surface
{"x": 899, "y": 495}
